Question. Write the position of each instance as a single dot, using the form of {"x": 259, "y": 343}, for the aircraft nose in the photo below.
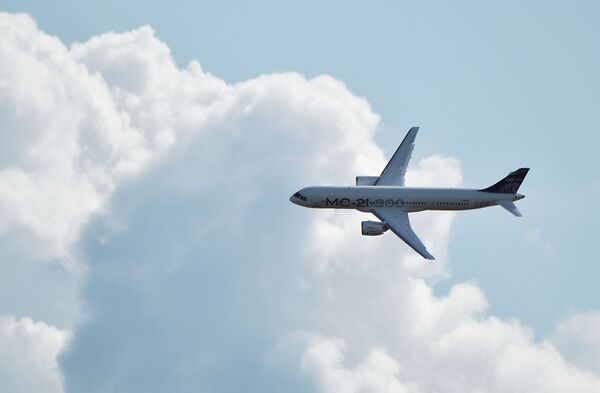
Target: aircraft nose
{"x": 293, "y": 199}
{"x": 298, "y": 199}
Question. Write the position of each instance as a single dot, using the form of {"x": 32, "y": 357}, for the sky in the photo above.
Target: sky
{"x": 148, "y": 152}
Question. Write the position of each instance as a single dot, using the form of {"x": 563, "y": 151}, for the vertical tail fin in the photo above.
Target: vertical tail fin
{"x": 510, "y": 184}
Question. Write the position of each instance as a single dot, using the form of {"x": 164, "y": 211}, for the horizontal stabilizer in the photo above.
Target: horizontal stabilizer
{"x": 508, "y": 205}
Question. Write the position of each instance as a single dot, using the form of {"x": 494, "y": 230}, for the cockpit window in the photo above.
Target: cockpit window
{"x": 300, "y": 196}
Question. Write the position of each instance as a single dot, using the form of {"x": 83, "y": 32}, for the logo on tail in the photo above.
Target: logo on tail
{"x": 510, "y": 184}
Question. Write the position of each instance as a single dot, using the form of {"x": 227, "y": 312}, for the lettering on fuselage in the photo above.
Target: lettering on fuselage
{"x": 362, "y": 202}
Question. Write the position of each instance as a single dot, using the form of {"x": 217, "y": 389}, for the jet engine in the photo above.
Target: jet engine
{"x": 366, "y": 180}
{"x": 373, "y": 228}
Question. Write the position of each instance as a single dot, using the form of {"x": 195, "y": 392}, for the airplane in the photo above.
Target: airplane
{"x": 386, "y": 197}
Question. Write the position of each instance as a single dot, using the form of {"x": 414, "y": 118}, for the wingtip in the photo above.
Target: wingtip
{"x": 411, "y": 135}
{"x": 427, "y": 255}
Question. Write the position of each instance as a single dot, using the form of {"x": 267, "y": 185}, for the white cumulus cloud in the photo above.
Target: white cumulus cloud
{"x": 324, "y": 360}
{"x": 579, "y": 340}
{"x": 65, "y": 143}
{"x": 28, "y": 355}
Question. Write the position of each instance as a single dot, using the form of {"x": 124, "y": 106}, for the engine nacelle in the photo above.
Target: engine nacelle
{"x": 373, "y": 228}
{"x": 366, "y": 180}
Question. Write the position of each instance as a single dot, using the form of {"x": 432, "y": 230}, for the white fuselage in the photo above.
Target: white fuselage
{"x": 408, "y": 199}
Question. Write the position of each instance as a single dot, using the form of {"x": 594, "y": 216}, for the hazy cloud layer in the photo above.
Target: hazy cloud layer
{"x": 171, "y": 187}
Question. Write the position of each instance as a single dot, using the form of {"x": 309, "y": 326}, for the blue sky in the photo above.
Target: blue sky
{"x": 498, "y": 86}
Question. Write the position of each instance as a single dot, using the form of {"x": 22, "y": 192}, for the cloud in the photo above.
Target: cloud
{"x": 65, "y": 145}
{"x": 324, "y": 360}
{"x": 536, "y": 238}
{"x": 578, "y": 338}
{"x": 169, "y": 187}
{"x": 28, "y": 352}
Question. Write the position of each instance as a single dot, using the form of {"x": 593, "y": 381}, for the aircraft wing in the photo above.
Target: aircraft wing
{"x": 393, "y": 173}
{"x": 397, "y": 221}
